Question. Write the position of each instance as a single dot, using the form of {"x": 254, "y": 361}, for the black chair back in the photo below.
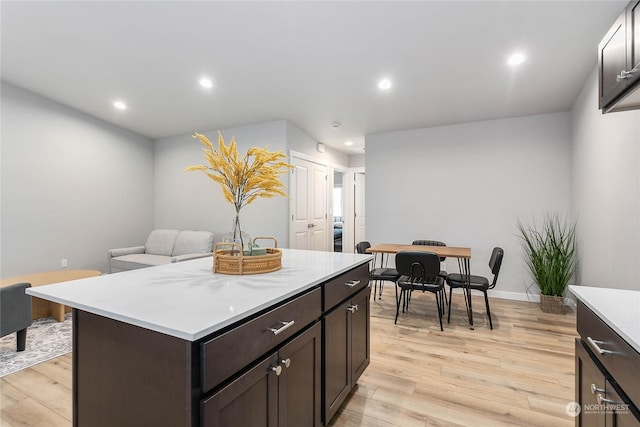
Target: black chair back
{"x": 361, "y": 247}
{"x": 495, "y": 262}
{"x": 421, "y": 267}
{"x": 425, "y": 242}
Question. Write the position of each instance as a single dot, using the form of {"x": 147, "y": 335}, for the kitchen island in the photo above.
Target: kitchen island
{"x": 177, "y": 345}
{"x": 607, "y": 356}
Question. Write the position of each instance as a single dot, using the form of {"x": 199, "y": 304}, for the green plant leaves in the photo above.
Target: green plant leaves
{"x": 550, "y": 252}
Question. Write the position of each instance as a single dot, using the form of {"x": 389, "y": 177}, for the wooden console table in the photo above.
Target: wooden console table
{"x": 43, "y": 308}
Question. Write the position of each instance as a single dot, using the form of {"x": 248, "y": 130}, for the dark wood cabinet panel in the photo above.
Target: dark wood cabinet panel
{"x": 619, "y": 63}
{"x": 300, "y": 383}
{"x": 346, "y": 350}
{"x": 589, "y": 379}
{"x": 125, "y": 375}
{"x": 344, "y": 286}
{"x": 282, "y": 390}
{"x": 607, "y": 371}
{"x": 250, "y": 400}
{"x": 251, "y": 340}
{"x": 612, "y": 59}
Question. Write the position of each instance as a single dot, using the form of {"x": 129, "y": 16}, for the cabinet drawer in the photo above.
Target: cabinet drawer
{"x": 342, "y": 287}
{"x": 223, "y": 356}
{"x": 618, "y": 358}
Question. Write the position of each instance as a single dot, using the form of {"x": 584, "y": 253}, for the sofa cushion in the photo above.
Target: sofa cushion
{"x": 193, "y": 242}
{"x": 135, "y": 261}
{"x": 161, "y": 242}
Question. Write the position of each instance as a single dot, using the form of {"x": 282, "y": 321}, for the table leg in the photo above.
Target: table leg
{"x": 465, "y": 269}
{"x": 57, "y": 311}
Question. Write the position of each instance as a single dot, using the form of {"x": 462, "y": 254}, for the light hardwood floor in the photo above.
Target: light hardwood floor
{"x": 519, "y": 374}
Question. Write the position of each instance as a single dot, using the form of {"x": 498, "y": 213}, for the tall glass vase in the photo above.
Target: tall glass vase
{"x": 237, "y": 235}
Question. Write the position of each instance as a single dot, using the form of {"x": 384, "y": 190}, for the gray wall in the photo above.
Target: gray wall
{"x": 467, "y": 184}
{"x": 606, "y": 192}
{"x": 190, "y": 200}
{"x": 72, "y": 186}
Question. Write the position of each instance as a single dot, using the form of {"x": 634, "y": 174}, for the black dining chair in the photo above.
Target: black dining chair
{"x": 427, "y": 242}
{"x": 377, "y": 275}
{"x": 477, "y": 283}
{"x": 419, "y": 272}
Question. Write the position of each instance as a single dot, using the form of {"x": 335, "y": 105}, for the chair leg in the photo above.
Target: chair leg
{"x": 450, "y": 303}
{"x": 380, "y": 292}
{"x": 439, "y": 303}
{"x": 486, "y": 302}
{"x": 398, "y": 297}
{"x": 21, "y": 338}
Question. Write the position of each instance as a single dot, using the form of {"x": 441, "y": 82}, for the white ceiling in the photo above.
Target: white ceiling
{"x": 311, "y": 63}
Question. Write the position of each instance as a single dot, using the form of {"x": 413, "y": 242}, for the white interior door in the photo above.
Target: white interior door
{"x": 359, "y": 214}
{"x": 308, "y": 191}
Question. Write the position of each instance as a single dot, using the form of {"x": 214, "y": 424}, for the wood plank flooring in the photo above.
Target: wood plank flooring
{"x": 519, "y": 374}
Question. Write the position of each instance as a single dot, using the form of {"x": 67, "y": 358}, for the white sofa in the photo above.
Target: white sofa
{"x": 162, "y": 247}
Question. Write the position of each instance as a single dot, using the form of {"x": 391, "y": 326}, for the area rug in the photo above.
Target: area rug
{"x": 46, "y": 339}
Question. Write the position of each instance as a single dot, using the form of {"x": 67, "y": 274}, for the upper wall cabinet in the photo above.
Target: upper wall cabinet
{"x": 619, "y": 63}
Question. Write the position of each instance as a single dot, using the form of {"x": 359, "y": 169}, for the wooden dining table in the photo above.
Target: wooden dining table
{"x": 463, "y": 255}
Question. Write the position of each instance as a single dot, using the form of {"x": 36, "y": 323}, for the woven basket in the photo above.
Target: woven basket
{"x": 232, "y": 261}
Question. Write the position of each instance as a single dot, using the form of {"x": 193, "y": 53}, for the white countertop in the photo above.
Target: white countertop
{"x": 187, "y": 300}
{"x": 618, "y": 308}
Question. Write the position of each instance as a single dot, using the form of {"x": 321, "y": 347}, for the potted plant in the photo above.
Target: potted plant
{"x": 550, "y": 255}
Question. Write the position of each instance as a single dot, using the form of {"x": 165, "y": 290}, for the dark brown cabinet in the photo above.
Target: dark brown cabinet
{"x": 607, "y": 372}
{"x": 281, "y": 390}
{"x": 619, "y": 63}
{"x": 346, "y": 349}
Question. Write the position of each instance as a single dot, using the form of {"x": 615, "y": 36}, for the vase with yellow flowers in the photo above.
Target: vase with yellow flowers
{"x": 242, "y": 179}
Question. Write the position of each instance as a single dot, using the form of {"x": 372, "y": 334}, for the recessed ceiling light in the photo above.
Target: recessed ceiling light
{"x": 120, "y": 105}
{"x": 206, "y": 83}
{"x": 348, "y": 143}
{"x": 516, "y": 59}
{"x": 384, "y": 84}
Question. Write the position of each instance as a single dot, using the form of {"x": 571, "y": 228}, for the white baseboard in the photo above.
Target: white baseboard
{"x": 520, "y": 296}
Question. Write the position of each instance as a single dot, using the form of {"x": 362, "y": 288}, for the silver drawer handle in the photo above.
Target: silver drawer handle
{"x": 602, "y": 400}
{"x": 352, "y": 308}
{"x": 595, "y": 389}
{"x": 352, "y": 283}
{"x": 284, "y": 326}
{"x": 594, "y": 345}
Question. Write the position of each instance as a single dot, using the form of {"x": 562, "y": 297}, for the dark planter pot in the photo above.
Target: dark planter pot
{"x": 552, "y": 304}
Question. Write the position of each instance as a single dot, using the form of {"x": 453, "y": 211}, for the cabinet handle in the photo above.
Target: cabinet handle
{"x": 624, "y": 75}
{"x": 286, "y": 362}
{"x": 352, "y": 308}
{"x": 594, "y": 345}
{"x": 284, "y": 326}
{"x": 276, "y": 369}
{"x": 352, "y": 283}
{"x": 602, "y": 400}
{"x": 595, "y": 389}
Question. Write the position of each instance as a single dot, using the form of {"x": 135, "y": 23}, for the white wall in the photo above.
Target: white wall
{"x": 606, "y": 191}
{"x": 190, "y": 200}
{"x": 72, "y": 186}
{"x": 467, "y": 184}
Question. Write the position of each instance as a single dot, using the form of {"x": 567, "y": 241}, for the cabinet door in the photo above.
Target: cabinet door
{"x": 619, "y": 412}
{"x": 589, "y": 382}
{"x": 299, "y": 384}
{"x": 250, "y": 400}
{"x": 337, "y": 359}
{"x": 633, "y": 41}
{"x": 612, "y": 59}
{"x": 360, "y": 334}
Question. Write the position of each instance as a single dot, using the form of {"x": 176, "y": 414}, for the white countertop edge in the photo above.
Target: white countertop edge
{"x": 607, "y": 316}
{"x": 35, "y": 291}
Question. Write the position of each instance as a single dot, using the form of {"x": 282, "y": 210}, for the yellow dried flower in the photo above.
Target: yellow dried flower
{"x": 243, "y": 179}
